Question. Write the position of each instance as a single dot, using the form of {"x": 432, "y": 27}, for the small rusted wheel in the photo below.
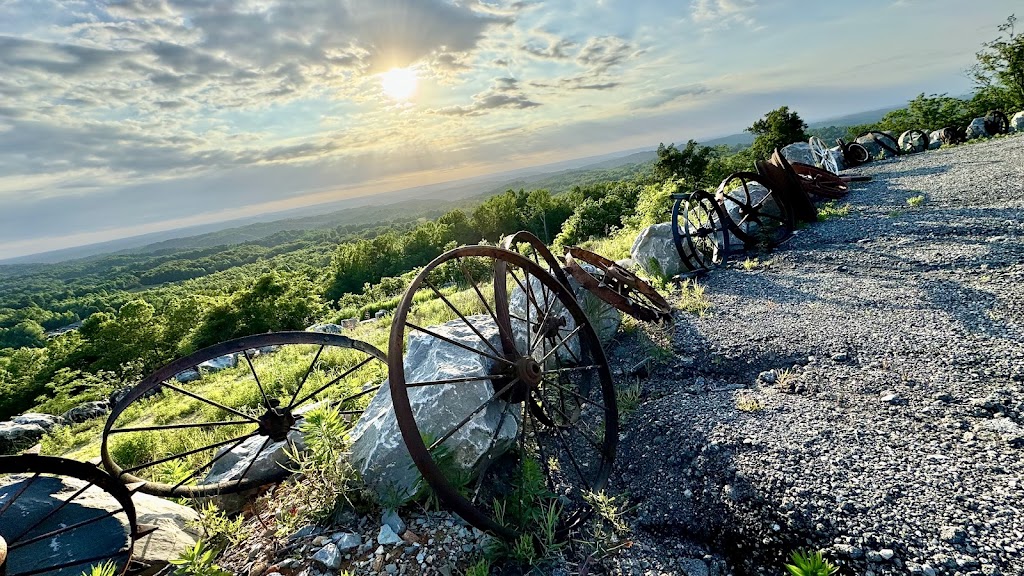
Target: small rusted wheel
{"x": 884, "y": 140}
{"x": 822, "y": 155}
{"x": 757, "y": 216}
{"x": 953, "y": 135}
{"x": 182, "y": 420}
{"x": 996, "y": 122}
{"x": 700, "y": 231}
{"x": 822, "y": 183}
{"x": 526, "y": 243}
{"x": 62, "y": 517}
{"x": 529, "y": 413}
{"x": 790, "y": 188}
{"x": 617, "y": 286}
{"x": 907, "y": 141}
{"x": 853, "y": 153}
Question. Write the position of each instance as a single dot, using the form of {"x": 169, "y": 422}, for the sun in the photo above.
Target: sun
{"x": 399, "y": 83}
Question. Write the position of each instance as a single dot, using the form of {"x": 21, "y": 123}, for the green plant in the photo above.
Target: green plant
{"x": 747, "y": 403}
{"x": 108, "y": 568}
{"x": 805, "y": 563}
{"x": 531, "y": 504}
{"x": 832, "y": 210}
{"x": 628, "y": 398}
{"x": 218, "y": 529}
{"x": 198, "y": 561}
{"x": 481, "y": 567}
{"x": 751, "y": 264}
{"x": 916, "y": 201}
{"x": 692, "y": 298}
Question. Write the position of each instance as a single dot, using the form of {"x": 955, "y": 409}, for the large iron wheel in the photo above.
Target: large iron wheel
{"x": 61, "y": 517}
{"x": 884, "y": 140}
{"x": 700, "y": 231}
{"x": 907, "y": 141}
{"x": 853, "y": 153}
{"x": 823, "y": 183}
{"x": 539, "y": 372}
{"x": 766, "y": 221}
{"x": 996, "y": 122}
{"x": 527, "y": 243}
{"x": 617, "y": 286}
{"x": 822, "y": 155}
{"x": 180, "y": 421}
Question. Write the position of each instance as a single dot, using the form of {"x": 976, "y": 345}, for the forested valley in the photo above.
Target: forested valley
{"x": 134, "y": 311}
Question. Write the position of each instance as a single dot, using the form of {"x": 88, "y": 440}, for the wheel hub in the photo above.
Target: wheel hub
{"x": 276, "y": 422}
{"x": 527, "y": 373}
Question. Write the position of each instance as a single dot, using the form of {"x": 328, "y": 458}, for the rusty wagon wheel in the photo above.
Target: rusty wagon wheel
{"x": 700, "y": 231}
{"x": 996, "y": 122}
{"x": 531, "y": 365}
{"x": 62, "y": 517}
{"x": 822, "y": 155}
{"x": 537, "y": 251}
{"x": 854, "y": 154}
{"x": 754, "y": 219}
{"x": 617, "y": 286}
{"x": 182, "y": 421}
{"x": 884, "y": 140}
{"x": 824, "y": 184}
{"x": 913, "y": 136}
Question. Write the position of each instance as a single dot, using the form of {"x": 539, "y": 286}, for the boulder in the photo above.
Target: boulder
{"x": 176, "y": 530}
{"x": 220, "y": 363}
{"x": 799, "y": 152}
{"x": 326, "y": 328}
{"x": 876, "y": 150}
{"x": 87, "y": 411}
{"x": 15, "y": 437}
{"x": 912, "y": 141}
{"x": 187, "y": 375}
{"x": 976, "y": 129}
{"x": 378, "y": 451}
{"x": 1017, "y": 122}
{"x": 45, "y": 421}
{"x": 757, "y": 194}
{"x": 935, "y": 140}
{"x": 655, "y": 252}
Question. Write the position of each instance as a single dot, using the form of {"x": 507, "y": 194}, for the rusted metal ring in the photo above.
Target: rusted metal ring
{"x": 700, "y": 231}
{"x": 996, "y": 122}
{"x": 879, "y": 137}
{"x": 822, "y": 183}
{"x": 540, "y": 250}
{"x": 914, "y": 135}
{"x": 267, "y": 425}
{"x": 772, "y": 228}
{"x": 36, "y": 466}
{"x": 509, "y": 368}
{"x": 617, "y": 286}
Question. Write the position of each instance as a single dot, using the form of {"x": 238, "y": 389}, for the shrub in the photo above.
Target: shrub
{"x": 810, "y": 564}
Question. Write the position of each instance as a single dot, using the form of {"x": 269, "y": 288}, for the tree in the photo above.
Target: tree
{"x": 689, "y": 164}
{"x": 1001, "y": 64}
{"x": 778, "y": 128}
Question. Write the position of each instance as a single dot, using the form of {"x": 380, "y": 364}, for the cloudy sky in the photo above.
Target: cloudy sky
{"x": 129, "y": 117}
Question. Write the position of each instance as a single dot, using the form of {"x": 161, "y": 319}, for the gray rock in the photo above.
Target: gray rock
{"x": 655, "y": 252}
{"x": 798, "y": 152}
{"x": 1017, "y": 122}
{"x": 326, "y": 328}
{"x": 693, "y": 567}
{"x": 305, "y": 532}
{"x": 265, "y": 464}
{"x": 912, "y": 142}
{"x": 220, "y": 363}
{"x": 387, "y": 536}
{"x": 346, "y": 541}
{"x": 87, "y": 411}
{"x": 890, "y": 397}
{"x": 392, "y": 519}
{"x": 953, "y": 534}
{"x": 976, "y": 129}
{"x": 44, "y": 421}
{"x": 177, "y": 528}
{"x": 16, "y": 437}
{"x": 378, "y": 451}
{"x": 187, "y": 375}
{"x": 935, "y": 140}
{"x": 870, "y": 143}
{"x": 604, "y": 317}
{"x": 837, "y": 155}
{"x": 329, "y": 556}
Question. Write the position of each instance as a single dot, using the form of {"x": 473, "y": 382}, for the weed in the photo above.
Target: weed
{"x": 833, "y": 210}
{"x": 218, "y": 529}
{"x": 692, "y": 298}
{"x": 628, "y": 399}
{"x": 747, "y": 403}
{"x": 198, "y": 561}
{"x": 482, "y": 567}
{"x": 786, "y": 380}
{"x": 916, "y": 201}
{"x": 895, "y": 213}
{"x": 528, "y": 504}
{"x": 658, "y": 342}
{"x": 751, "y": 264}
{"x": 805, "y": 563}
{"x": 609, "y": 509}
{"x": 606, "y": 528}
{"x": 108, "y": 568}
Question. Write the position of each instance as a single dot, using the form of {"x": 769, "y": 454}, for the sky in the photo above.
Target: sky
{"x": 122, "y": 118}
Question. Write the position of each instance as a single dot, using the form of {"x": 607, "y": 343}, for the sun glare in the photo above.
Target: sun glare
{"x": 399, "y": 83}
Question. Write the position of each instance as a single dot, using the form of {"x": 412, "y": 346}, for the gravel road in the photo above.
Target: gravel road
{"x": 859, "y": 391}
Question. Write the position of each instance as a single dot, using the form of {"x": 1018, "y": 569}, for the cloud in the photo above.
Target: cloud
{"x": 603, "y": 52}
{"x": 503, "y": 93}
{"x": 722, "y": 14}
{"x": 668, "y": 95}
{"x": 548, "y": 46}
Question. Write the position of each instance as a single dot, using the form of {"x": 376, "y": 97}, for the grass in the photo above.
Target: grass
{"x": 748, "y": 403}
{"x": 916, "y": 201}
{"x": 628, "y": 399}
{"x": 692, "y": 298}
{"x": 832, "y": 210}
{"x": 804, "y": 563}
{"x": 615, "y": 246}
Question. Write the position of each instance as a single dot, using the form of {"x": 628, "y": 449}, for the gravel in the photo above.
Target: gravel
{"x": 860, "y": 392}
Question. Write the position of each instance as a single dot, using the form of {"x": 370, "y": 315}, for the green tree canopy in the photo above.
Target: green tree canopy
{"x": 778, "y": 128}
{"x": 1001, "y": 64}
{"x": 689, "y": 164}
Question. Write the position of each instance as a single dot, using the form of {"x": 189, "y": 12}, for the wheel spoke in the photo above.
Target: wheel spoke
{"x": 64, "y": 529}
{"x": 469, "y": 416}
{"x": 573, "y": 369}
{"x": 20, "y": 492}
{"x": 186, "y": 453}
{"x": 266, "y": 399}
{"x": 543, "y": 321}
{"x": 248, "y": 466}
{"x": 333, "y": 382}
{"x": 579, "y": 396}
{"x": 50, "y": 514}
{"x": 572, "y": 457}
{"x": 46, "y": 569}
{"x": 562, "y": 343}
{"x": 295, "y": 394}
{"x": 462, "y": 317}
{"x": 457, "y": 380}
{"x": 476, "y": 288}
{"x": 490, "y": 446}
{"x": 210, "y": 402}
{"x": 429, "y": 332}
{"x": 212, "y": 461}
{"x": 176, "y": 426}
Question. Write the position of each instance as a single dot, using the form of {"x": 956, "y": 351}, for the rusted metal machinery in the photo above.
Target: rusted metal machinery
{"x": 617, "y": 286}
{"x": 854, "y": 154}
{"x": 700, "y": 231}
{"x": 549, "y": 379}
{"x": 884, "y": 140}
{"x": 996, "y": 122}
{"x": 60, "y": 517}
{"x": 169, "y": 453}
